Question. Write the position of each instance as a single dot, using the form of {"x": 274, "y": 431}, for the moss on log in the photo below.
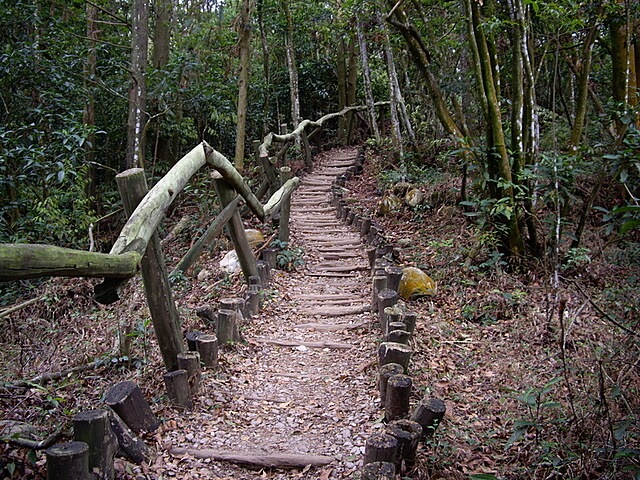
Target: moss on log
{"x": 24, "y": 260}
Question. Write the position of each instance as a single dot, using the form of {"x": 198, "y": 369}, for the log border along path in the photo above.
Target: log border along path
{"x": 301, "y": 391}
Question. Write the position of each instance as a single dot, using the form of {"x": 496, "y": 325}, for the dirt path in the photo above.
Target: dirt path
{"x": 303, "y": 384}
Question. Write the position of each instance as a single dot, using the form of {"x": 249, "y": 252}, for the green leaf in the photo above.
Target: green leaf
{"x": 630, "y": 225}
{"x": 482, "y": 476}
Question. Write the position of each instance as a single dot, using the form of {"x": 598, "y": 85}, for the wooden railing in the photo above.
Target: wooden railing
{"x": 138, "y": 247}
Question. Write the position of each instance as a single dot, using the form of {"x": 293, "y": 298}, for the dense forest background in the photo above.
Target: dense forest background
{"x": 522, "y": 99}
{"x": 516, "y": 120}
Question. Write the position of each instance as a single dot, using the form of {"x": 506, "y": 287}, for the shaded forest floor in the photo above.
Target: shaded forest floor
{"x": 538, "y": 383}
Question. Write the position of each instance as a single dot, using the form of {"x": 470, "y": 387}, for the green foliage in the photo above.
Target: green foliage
{"x": 288, "y": 257}
{"x": 538, "y": 406}
{"x": 577, "y": 257}
{"x": 409, "y": 170}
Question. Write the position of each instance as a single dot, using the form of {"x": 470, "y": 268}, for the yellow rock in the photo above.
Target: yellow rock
{"x": 390, "y": 203}
{"x": 254, "y": 237}
{"x": 415, "y": 283}
{"x": 414, "y": 197}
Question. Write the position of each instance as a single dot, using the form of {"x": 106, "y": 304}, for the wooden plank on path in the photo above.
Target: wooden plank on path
{"x": 331, "y": 274}
{"x": 296, "y": 343}
{"x": 296, "y": 209}
{"x": 333, "y": 267}
{"x": 338, "y": 311}
{"x": 339, "y": 249}
{"x": 332, "y": 296}
{"x": 335, "y": 240}
{"x": 265, "y": 460}
{"x": 330, "y": 327}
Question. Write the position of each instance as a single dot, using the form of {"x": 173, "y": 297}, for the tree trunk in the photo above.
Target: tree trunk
{"x": 160, "y": 59}
{"x": 88, "y": 114}
{"x": 394, "y": 89}
{"x": 341, "y": 71}
{"x": 138, "y": 89}
{"x": 266, "y": 71}
{"x": 244, "y": 45}
{"x": 498, "y": 161}
{"x": 352, "y": 85}
{"x": 366, "y": 75}
{"x": 294, "y": 89}
{"x": 584, "y": 70}
{"x": 421, "y": 57}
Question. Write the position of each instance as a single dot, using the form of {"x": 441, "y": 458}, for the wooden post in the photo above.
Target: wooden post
{"x": 396, "y": 404}
{"x": 365, "y": 227}
{"x": 398, "y": 336}
{"x": 409, "y": 319}
{"x": 131, "y": 446}
{"x": 380, "y": 447}
{"x": 92, "y": 427}
{"x": 389, "y": 352}
{"x": 379, "y": 471}
{"x": 408, "y": 434}
{"x": 394, "y": 274}
{"x": 269, "y": 256}
{"x": 207, "y": 347}
{"x": 69, "y": 460}
{"x": 126, "y": 399}
{"x": 394, "y": 324}
{"x": 190, "y": 361}
{"x": 384, "y": 373}
{"x": 132, "y": 185}
{"x": 207, "y": 237}
{"x": 379, "y": 284}
{"x": 237, "y": 304}
{"x": 253, "y": 300}
{"x": 308, "y": 158}
{"x": 191, "y": 338}
{"x": 263, "y": 272}
{"x": 178, "y": 390}
{"x": 285, "y": 208}
{"x": 386, "y": 298}
{"x": 235, "y": 228}
{"x": 226, "y": 327}
{"x": 429, "y": 413}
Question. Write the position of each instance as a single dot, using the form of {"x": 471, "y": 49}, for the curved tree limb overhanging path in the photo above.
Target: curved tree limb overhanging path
{"x": 302, "y": 389}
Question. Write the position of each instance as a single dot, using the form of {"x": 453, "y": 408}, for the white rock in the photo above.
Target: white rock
{"x": 230, "y": 262}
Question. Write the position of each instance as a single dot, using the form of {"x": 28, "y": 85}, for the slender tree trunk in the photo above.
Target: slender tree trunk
{"x": 584, "y": 70}
{"x": 138, "y": 89}
{"x": 421, "y": 57}
{"x": 160, "y": 60}
{"x": 244, "y": 32}
{"x": 524, "y": 119}
{"x": 341, "y": 70}
{"x": 89, "y": 114}
{"x": 352, "y": 85}
{"x": 294, "y": 88}
{"x": 394, "y": 88}
{"x": 619, "y": 36}
{"x": 366, "y": 76}
{"x": 498, "y": 161}
{"x": 266, "y": 71}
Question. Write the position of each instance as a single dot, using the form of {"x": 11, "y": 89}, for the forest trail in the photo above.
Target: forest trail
{"x": 303, "y": 383}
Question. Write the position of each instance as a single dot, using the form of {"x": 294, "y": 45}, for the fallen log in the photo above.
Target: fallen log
{"x": 24, "y": 260}
{"x": 258, "y": 460}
